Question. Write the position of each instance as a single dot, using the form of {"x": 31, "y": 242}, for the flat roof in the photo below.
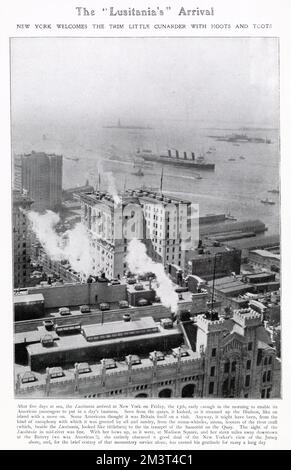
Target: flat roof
{"x": 266, "y": 254}
{"x": 96, "y": 368}
{"x": 33, "y": 336}
{"x": 120, "y": 326}
{"x": 73, "y": 342}
{"x": 256, "y": 242}
{"x": 28, "y": 298}
{"x": 132, "y": 290}
{"x": 231, "y": 284}
{"x": 235, "y": 288}
{"x": 259, "y": 275}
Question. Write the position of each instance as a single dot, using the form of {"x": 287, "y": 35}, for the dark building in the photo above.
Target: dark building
{"x": 21, "y": 241}
{"x": 41, "y": 175}
{"x": 225, "y": 260}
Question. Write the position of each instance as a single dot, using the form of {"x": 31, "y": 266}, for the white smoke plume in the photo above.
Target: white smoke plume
{"x": 111, "y": 187}
{"x": 73, "y": 245}
{"x": 140, "y": 263}
{"x": 102, "y": 174}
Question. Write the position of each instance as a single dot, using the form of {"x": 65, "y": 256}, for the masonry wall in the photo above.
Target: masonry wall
{"x": 79, "y": 294}
{"x": 117, "y": 349}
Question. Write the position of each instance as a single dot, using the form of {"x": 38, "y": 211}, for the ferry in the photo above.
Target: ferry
{"x": 267, "y": 201}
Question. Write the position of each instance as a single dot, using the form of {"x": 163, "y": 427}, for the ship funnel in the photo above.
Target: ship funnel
{"x": 169, "y": 153}
{"x": 185, "y": 155}
{"x": 177, "y": 154}
{"x": 193, "y": 155}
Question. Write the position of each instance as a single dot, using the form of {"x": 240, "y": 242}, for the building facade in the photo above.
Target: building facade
{"x": 21, "y": 239}
{"x": 222, "y": 260}
{"x": 265, "y": 259}
{"x": 168, "y": 221}
{"x": 151, "y": 217}
{"x": 41, "y": 175}
{"x": 228, "y": 359}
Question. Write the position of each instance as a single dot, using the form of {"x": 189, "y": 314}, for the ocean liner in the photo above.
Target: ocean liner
{"x": 175, "y": 159}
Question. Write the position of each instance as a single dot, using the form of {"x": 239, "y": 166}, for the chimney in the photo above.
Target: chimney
{"x": 193, "y": 155}
{"x": 169, "y": 153}
{"x": 177, "y": 154}
{"x": 185, "y": 155}
{"x": 76, "y": 375}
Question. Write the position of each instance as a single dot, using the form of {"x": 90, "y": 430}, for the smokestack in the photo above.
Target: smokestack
{"x": 193, "y": 155}
{"x": 169, "y": 153}
{"x": 177, "y": 154}
{"x": 150, "y": 283}
{"x": 161, "y": 184}
{"x": 185, "y": 155}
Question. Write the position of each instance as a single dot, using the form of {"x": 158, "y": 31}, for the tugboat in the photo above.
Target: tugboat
{"x": 139, "y": 172}
{"x": 229, "y": 216}
{"x": 267, "y": 201}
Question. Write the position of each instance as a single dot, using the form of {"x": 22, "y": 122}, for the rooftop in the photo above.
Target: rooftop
{"x": 210, "y": 250}
{"x": 156, "y": 197}
{"x": 27, "y": 298}
{"x": 96, "y": 368}
{"x": 77, "y": 341}
{"x": 120, "y": 326}
{"x": 259, "y": 241}
{"x": 231, "y": 284}
{"x": 266, "y": 254}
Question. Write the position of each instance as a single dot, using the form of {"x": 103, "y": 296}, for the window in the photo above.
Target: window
{"x": 266, "y": 361}
{"x": 226, "y": 367}
{"x": 246, "y": 395}
{"x": 269, "y": 376}
{"x": 264, "y": 377}
{"x": 211, "y": 388}
{"x": 270, "y": 360}
{"x": 249, "y": 362}
{"x": 212, "y": 371}
{"x": 263, "y": 393}
{"x": 233, "y": 366}
{"x": 248, "y": 378}
{"x": 250, "y": 346}
{"x": 268, "y": 392}
{"x": 213, "y": 353}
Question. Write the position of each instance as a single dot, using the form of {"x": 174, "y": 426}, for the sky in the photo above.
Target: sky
{"x": 145, "y": 80}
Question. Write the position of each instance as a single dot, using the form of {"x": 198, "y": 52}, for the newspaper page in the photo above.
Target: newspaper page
{"x": 145, "y": 164}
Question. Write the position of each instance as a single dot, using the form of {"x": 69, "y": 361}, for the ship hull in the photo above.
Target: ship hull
{"x": 179, "y": 162}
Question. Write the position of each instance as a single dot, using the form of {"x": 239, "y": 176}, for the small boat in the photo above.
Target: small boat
{"x": 231, "y": 159}
{"x": 139, "y": 172}
{"x": 267, "y": 201}
{"x": 236, "y": 145}
{"x": 198, "y": 177}
{"x": 274, "y": 191}
{"x": 229, "y": 216}
{"x": 242, "y": 158}
{"x": 74, "y": 159}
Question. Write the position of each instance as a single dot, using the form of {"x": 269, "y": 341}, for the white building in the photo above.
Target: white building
{"x": 160, "y": 222}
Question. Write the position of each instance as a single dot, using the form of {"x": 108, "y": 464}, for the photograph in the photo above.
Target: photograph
{"x": 146, "y": 217}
